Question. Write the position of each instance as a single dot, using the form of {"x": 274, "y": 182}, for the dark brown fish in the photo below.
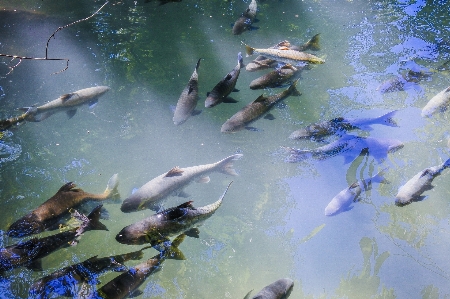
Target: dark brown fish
{"x": 276, "y": 78}
{"x": 256, "y": 109}
{"x": 245, "y": 21}
{"x": 225, "y": 86}
{"x": 47, "y": 214}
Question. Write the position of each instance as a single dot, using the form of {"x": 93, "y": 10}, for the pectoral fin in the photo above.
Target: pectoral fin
{"x": 269, "y": 116}
{"x": 193, "y": 233}
{"x": 203, "y": 179}
{"x": 135, "y": 293}
{"x": 93, "y": 103}
{"x": 71, "y": 113}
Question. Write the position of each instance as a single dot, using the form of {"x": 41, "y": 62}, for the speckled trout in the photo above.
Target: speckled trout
{"x": 284, "y": 54}
{"x": 159, "y": 227}
{"x": 421, "y": 182}
{"x": 173, "y": 182}
{"x": 47, "y": 214}
{"x": 68, "y": 103}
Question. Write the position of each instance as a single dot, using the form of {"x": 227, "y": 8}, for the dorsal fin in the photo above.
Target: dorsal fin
{"x": 283, "y": 48}
{"x": 67, "y": 187}
{"x": 261, "y": 98}
{"x": 284, "y": 43}
{"x": 65, "y": 97}
{"x": 176, "y": 171}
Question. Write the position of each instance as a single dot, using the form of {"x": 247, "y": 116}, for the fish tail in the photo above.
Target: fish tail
{"x": 387, "y": 119}
{"x": 111, "y": 188}
{"x": 240, "y": 60}
{"x": 226, "y": 165}
{"x": 91, "y": 222}
{"x": 249, "y": 50}
{"x": 446, "y": 164}
{"x": 293, "y": 91}
{"x": 313, "y": 43}
{"x": 172, "y": 252}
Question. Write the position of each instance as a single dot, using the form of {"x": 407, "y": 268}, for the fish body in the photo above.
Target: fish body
{"x": 12, "y": 121}
{"x": 275, "y": 78}
{"x": 343, "y": 200}
{"x": 350, "y": 146}
{"x": 437, "y": 103}
{"x": 188, "y": 99}
{"x": 68, "y": 103}
{"x": 284, "y": 54}
{"x": 245, "y": 21}
{"x": 421, "y": 182}
{"x": 29, "y": 253}
{"x": 160, "y": 226}
{"x": 162, "y": 2}
{"x": 342, "y": 125}
{"x": 47, "y": 214}
{"x": 150, "y": 195}
{"x": 127, "y": 284}
{"x": 280, "y": 289}
{"x": 64, "y": 282}
{"x": 256, "y": 109}
{"x": 225, "y": 86}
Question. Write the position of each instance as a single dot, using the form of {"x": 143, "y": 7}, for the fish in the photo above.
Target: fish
{"x": 162, "y": 2}
{"x": 284, "y": 54}
{"x": 225, "y": 86}
{"x": 150, "y": 195}
{"x": 276, "y": 78}
{"x": 245, "y": 21}
{"x": 52, "y": 210}
{"x": 342, "y": 125}
{"x": 350, "y": 146}
{"x": 127, "y": 284}
{"x": 65, "y": 281}
{"x": 437, "y": 103}
{"x": 403, "y": 82}
{"x": 280, "y": 289}
{"x": 262, "y": 62}
{"x": 188, "y": 99}
{"x": 421, "y": 182}
{"x": 343, "y": 200}
{"x": 256, "y": 109}
{"x": 29, "y": 253}
{"x": 159, "y": 227}
{"x": 12, "y": 121}
{"x": 68, "y": 103}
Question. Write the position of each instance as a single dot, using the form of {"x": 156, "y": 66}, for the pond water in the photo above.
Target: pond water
{"x": 272, "y": 223}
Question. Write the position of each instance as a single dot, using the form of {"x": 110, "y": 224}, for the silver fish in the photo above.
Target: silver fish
{"x": 280, "y": 289}
{"x": 284, "y": 54}
{"x": 276, "y": 78}
{"x": 350, "y": 146}
{"x": 343, "y": 200}
{"x": 188, "y": 99}
{"x": 245, "y": 21}
{"x": 342, "y": 125}
{"x": 421, "y": 182}
{"x": 437, "y": 103}
{"x": 159, "y": 227}
{"x": 225, "y": 86}
{"x": 68, "y": 103}
{"x": 256, "y": 109}
{"x": 150, "y": 195}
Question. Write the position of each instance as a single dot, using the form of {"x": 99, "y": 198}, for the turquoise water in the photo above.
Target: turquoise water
{"x": 271, "y": 224}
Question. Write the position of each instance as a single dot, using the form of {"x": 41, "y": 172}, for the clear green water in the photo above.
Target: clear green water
{"x": 272, "y": 222}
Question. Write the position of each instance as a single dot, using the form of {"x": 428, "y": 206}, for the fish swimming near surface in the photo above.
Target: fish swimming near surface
{"x": 403, "y": 82}
{"x": 284, "y": 54}
{"x": 350, "y": 146}
{"x": 277, "y": 77}
{"x": 68, "y": 103}
{"x": 245, "y": 21}
{"x": 280, "y": 289}
{"x": 127, "y": 284}
{"x": 421, "y": 182}
{"x": 29, "y": 253}
{"x": 262, "y": 62}
{"x": 66, "y": 281}
{"x": 256, "y": 109}
{"x": 225, "y": 86}
{"x": 343, "y": 200}
{"x": 150, "y": 195}
{"x": 159, "y": 227}
{"x": 188, "y": 99}
{"x": 51, "y": 211}
{"x": 162, "y": 2}
{"x": 342, "y": 125}
{"x": 437, "y": 103}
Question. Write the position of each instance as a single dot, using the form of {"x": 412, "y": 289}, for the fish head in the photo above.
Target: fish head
{"x": 132, "y": 204}
{"x": 101, "y": 90}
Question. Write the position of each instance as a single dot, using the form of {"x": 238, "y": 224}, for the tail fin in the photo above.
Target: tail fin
{"x": 111, "y": 188}
{"x": 446, "y": 164}
{"x": 226, "y": 165}
{"x": 91, "y": 222}
{"x": 313, "y": 43}
{"x": 387, "y": 119}
{"x": 172, "y": 252}
{"x": 240, "y": 60}
{"x": 249, "y": 50}
{"x": 198, "y": 64}
{"x": 293, "y": 91}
